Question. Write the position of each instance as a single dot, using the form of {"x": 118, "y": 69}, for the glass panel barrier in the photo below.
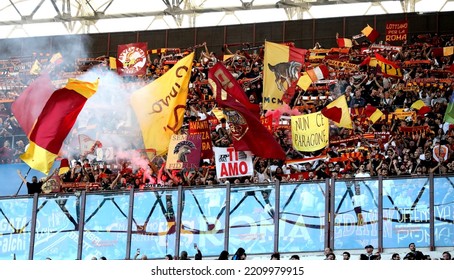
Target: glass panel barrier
{"x": 251, "y": 219}
{"x": 356, "y": 214}
{"x": 106, "y": 224}
{"x": 406, "y": 215}
{"x": 57, "y": 231}
{"x": 203, "y": 221}
{"x": 15, "y": 222}
{"x": 444, "y": 211}
{"x": 302, "y": 217}
{"x": 153, "y": 227}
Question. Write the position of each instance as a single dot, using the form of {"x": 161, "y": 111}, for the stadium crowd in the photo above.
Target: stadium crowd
{"x": 407, "y": 140}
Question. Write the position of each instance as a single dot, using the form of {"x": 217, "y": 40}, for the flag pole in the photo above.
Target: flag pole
{"x": 22, "y": 182}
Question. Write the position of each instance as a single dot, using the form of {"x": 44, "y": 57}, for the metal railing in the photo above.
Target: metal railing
{"x": 341, "y": 214}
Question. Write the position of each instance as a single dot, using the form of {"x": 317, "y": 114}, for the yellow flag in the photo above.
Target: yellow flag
{"x": 160, "y": 105}
{"x": 281, "y": 71}
{"x": 310, "y": 132}
{"x": 338, "y": 112}
{"x": 418, "y": 104}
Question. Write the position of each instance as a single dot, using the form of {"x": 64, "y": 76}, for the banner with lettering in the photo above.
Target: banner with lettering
{"x": 184, "y": 151}
{"x": 232, "y": 163}
{"x": 133, "y": 59}
{"x": 310, "y": 132}
{"x": 396, "y": 31}
{"x": 203, "y": 128}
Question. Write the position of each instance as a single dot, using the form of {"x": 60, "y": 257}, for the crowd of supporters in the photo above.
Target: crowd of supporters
{"x": 406, "y": 140}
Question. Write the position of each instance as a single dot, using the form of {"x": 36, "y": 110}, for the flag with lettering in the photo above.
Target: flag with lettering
{"x": 184, "y": 151}
{"x": 282, "y": 69}
{"x": 55, "y": 122}
{"x": 203, "y": 128}
{"x": 387, "y": 67}
{"x": 133, "y": 59}
{"x": 160, "y": 106}
{"x": 248, "y": 132}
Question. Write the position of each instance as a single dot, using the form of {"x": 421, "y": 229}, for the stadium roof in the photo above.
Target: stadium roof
{"x": 30, "y": 18}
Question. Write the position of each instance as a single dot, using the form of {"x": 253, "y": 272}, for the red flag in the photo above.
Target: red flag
{"x": 133, "y": 59}
{"x": 30, "y": 103}
{"x": 247, "y": 130}
{"x": 64, "y": 166}
{"x": 55, "y": 122}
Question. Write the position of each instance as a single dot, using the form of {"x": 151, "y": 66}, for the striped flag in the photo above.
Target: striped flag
{"x": 313, "y": 75}
{"x": 446, "y": 51}
{"x": 55, "y": 122}
{"x": 30, "y": 103}
{"x": 344, "y": 43}
{"x": 64, "y": 166}
{"x": 370, "y": 33}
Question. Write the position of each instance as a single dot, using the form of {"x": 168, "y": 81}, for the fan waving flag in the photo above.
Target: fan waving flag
{"x": 55, "y": 122}
{"x": 282, "y": 68}
{"x": 160, "y": 105}
{"x": 29, "y": 105}
{"x": 370, "y": 33}
{"x": 338, "y": 112}
{"x": 247, "y": 130}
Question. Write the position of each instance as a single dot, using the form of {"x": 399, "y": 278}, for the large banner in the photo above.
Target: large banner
{"x": 184, "y": 151}
{"x": 203, "y": 128}
{"x": 232, "y": 163}
{"x": 396, "y": 31}
{"x": 133, "y": 58}
{"x": 310, "y": 132}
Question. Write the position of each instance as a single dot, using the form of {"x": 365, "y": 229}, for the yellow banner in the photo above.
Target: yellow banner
{"x": 160, "y": 105}
{"x": 310, "y": 132}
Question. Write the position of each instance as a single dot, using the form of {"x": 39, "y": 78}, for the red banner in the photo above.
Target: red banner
{"x": 133, "y": 58}
{"x": 396, "y": 31}
{"x": 267, "y": 122}
{"x": 203, "y": 128}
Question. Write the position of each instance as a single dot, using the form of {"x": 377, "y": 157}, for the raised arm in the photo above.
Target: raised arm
{"x": 22, "y": 177}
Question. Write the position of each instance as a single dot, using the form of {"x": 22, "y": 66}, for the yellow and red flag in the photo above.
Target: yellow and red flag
{"x": 370, "y": 33}
{"x": 373, "y": 113}
{"x": 160, "y": 105}
{"x": 344, "y": 43}
{"x": 30, "y": 103}
{"x": 248, "y": 132}
{"x": 282, "y": 69}
{"x": 55, "y": 122}
{"x": 388, "y": 68}
{"x": 338, "y": 112}
{"x": 313, "y": 75}
{"x": 445, "y": 51}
